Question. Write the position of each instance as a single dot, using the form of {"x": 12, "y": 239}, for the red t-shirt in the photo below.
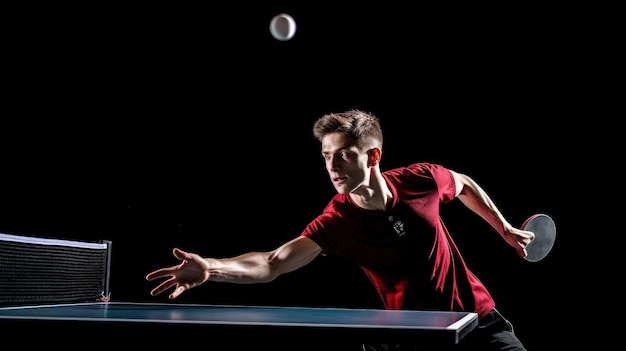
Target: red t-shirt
{"x": 406, "y": 251}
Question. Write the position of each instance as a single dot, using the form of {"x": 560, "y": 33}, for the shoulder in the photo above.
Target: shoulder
{"x": 338, "y": 206}
{"x": 339, "y": 211}
{"x": 419, "y": 170}
{"x": 423, "y": 177}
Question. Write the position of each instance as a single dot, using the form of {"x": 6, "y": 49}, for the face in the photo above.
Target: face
{"x": 346, "y": 165}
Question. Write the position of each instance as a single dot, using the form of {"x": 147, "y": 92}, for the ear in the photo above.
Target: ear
{"x": 375, "y": 155}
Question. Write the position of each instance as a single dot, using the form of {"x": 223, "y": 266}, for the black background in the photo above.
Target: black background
{"x": 172, "y": 125}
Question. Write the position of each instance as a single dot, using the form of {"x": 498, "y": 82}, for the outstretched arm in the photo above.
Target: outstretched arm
{"x": 476, "y": 199}
{"x": 248, "y": 268}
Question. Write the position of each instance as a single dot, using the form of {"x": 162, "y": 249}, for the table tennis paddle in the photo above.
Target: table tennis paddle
{"x": 545, "y": 234}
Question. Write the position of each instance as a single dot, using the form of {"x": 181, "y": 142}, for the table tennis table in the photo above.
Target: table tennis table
{"x": 249, "y": 324}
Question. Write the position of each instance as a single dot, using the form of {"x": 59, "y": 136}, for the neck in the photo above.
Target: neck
{"x": 376, "y": 196}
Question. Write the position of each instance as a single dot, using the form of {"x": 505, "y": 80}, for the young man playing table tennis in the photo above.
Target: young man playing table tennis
{"x": 386, "y": 222}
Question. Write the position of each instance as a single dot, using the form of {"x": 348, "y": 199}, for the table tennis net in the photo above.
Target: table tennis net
{"x": 37, "y": 270}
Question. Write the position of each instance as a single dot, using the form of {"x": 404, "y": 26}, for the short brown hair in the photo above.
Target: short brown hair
{"x": 364, "y": 127}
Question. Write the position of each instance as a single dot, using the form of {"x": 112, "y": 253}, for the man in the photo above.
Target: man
{"x": 388, "y": 223}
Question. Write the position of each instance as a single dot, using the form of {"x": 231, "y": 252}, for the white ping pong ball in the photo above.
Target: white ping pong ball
{"x": 283, "y": 27}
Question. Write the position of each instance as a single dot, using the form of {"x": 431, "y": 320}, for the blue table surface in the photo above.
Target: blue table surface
{"x": 244, "y": 315}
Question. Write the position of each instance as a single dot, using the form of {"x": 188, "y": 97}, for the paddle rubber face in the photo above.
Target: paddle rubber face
{"x": 545, "y": 234}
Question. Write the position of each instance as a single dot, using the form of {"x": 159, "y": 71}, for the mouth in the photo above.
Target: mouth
{"x": 339, "y": 180}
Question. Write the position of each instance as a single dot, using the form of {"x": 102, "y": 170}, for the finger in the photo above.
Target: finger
{"x": 177, "y": 292}
{"x": 180, "y": 254}
{"x": 522, "y": 252}
{"x": 177, "y": 253}
{"x": 159, "y": 273}
{"x": 162, "y": 287}
{"x": 153, "y": 275}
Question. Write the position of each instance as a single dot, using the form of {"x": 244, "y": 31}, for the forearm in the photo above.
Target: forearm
{"x": 476, "y": 199}
{"x": 252, "y": 267}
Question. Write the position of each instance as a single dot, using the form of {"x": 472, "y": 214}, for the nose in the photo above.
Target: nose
{"x": 333, "y": 163}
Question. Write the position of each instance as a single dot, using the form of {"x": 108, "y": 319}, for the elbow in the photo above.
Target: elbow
{"x": 274, "y": 267}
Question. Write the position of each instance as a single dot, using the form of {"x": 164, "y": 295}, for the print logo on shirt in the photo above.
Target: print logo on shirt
{"x": 398, "y": 226}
